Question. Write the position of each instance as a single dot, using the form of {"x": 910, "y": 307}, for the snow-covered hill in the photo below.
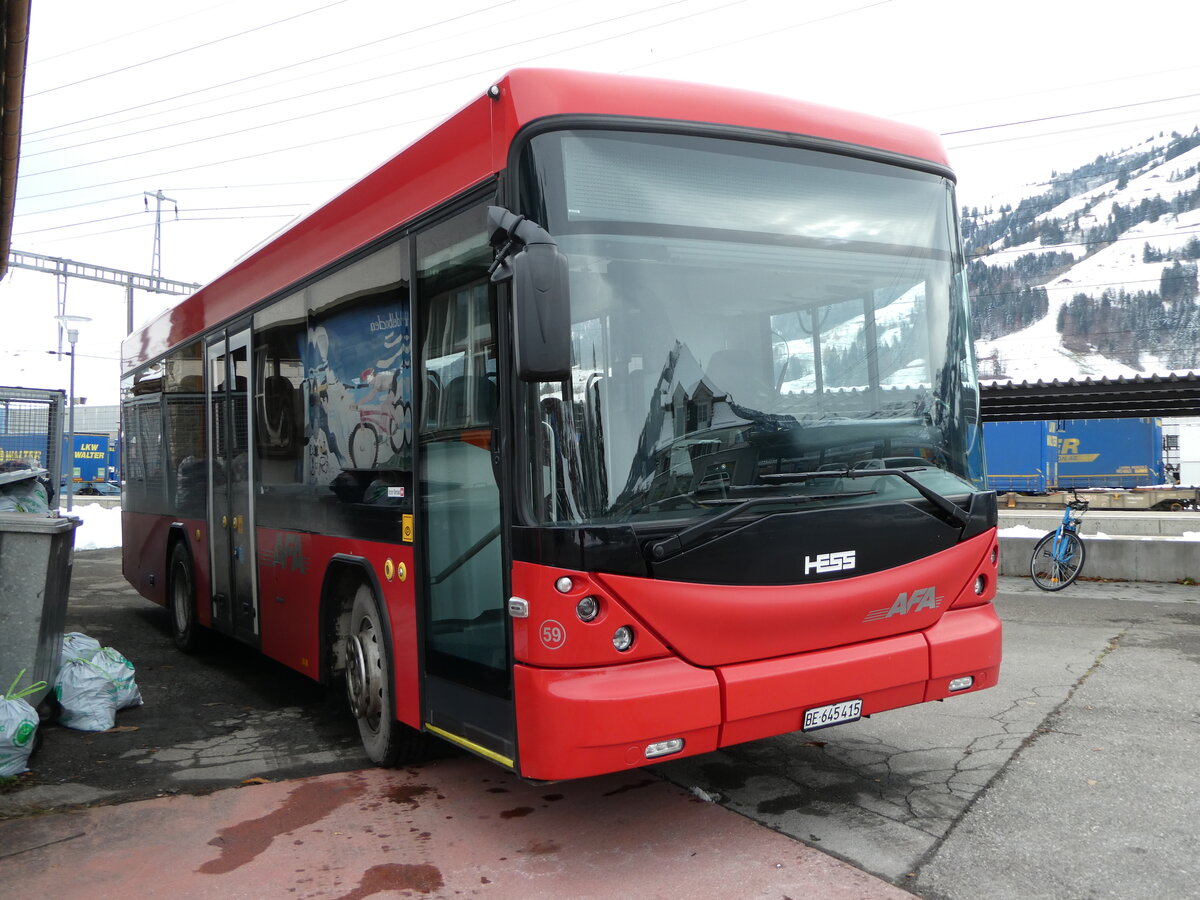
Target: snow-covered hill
{"x": 1095, "y": 275}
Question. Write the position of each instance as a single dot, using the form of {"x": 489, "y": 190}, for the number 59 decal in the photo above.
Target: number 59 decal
{"x": 553, "y": 635}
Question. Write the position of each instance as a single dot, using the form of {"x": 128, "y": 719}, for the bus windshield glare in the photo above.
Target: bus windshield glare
{"x": 743, "y": 310}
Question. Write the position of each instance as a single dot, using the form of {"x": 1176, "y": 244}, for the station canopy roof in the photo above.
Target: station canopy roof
{"x": 1091, "y": 398}
{"x": 14, "y": 31}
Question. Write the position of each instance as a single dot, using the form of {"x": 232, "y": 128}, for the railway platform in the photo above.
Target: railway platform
{"x": 1121, "y": 545}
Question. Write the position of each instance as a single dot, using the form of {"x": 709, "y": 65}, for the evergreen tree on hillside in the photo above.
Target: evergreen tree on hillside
{"x": 1118, "y": 324}
{"x": 1178, "y": 282}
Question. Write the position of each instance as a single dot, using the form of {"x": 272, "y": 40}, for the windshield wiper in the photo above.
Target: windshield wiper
{"x": 689, "y": 537}
{"x": 952, "y": 511}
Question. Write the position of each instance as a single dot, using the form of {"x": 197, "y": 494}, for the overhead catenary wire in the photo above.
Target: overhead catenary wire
{"x": 487, "y": 71}
{"x": 310, "y": 114}
{"x": 1043, "y": 134}
{"x": 175, "y": 190}
{"x": 92, "y": 46}
{"x": 1082, "y": 112}
{"x": 1184, "y": 231}
{"x": 538, "y": 38}
{"x": 251, "y": 77}
{"x": 285, "y": 149}
{"x": 190, "y": 49}
{"x": 753, "y": 37}
{"x": 394, "y": 125}
{"x": 150, "y": 225}
{"x": 209, "y": 165}
{"x": 142, "y": 212}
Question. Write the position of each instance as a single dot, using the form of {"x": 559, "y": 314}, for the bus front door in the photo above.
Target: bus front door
{"x": 468, "y": 654}
{"x": 231, "y": 544}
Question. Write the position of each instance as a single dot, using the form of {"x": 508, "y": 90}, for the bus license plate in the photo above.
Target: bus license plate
{"x": 834, "y": 714}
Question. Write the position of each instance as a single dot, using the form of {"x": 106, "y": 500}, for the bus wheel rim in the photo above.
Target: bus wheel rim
{"x": 182, "y": 598}
{"x": 356, "y": 677}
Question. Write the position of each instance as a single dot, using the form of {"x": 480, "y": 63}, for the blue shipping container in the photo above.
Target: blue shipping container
{"x": 91, "y": 458}
{"x": 1021, "y": 456}
{"x": 1034, "y": 457}
{"x": 1118, "y": 453}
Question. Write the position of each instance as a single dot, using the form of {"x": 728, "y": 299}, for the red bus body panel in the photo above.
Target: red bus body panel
{"x": 291, "y": 569}
{"x": 711, "y": 664}
{"x": 569, "y": 720}
{"x": 472, "y": 146}
{"x": 713, "y": 624}
{"x": 145, "y": 565}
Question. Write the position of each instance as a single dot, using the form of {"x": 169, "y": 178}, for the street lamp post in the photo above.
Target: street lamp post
{"x": 70, "y": 323}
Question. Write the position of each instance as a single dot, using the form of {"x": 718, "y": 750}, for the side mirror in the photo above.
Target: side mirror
{"x": 541, "y": 295}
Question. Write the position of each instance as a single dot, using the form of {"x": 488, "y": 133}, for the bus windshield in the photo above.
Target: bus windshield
{"x": 742, "y": 312}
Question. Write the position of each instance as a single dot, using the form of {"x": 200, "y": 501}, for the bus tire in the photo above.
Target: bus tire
{"x": 369, "y": 687}
{"x": 181, "y": 600}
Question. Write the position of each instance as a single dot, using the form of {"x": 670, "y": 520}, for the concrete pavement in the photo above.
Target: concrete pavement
{"x": 1075, "y": 777}
{"x": 456, "y": 828}
{"x": 1145, "y": 547}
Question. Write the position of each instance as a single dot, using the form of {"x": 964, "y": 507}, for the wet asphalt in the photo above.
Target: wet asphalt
{"x": 1075, "y": 777}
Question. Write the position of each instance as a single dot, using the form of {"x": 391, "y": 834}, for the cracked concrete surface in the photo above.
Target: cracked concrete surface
{"x": 1075, "y": 777}
{"x": 890, "y": 792}
{"x": 249, "y": 749}
{"x": 883, "y": 791}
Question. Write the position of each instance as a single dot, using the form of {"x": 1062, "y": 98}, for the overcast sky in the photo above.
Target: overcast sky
{"x": 248, "y": 113}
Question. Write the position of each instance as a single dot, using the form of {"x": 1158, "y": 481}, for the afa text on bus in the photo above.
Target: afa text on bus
{"x": 615, "y": 420}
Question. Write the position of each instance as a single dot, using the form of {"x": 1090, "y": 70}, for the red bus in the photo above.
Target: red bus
{"x": 614, "y": 420}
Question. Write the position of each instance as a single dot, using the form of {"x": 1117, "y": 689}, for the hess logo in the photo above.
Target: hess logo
{"x": 841, "y": 561}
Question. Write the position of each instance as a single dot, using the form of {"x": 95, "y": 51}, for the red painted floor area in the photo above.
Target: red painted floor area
{"x": 457, "y": 828}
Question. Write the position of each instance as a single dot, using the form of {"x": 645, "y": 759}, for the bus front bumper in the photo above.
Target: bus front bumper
{"x": 573, "y": 723}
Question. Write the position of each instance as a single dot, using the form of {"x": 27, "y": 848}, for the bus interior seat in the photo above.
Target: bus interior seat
{"x": 454, "y": 403}
{"x": 456, "y": 412}
{"x": 432, "y": 400}
{"x": 486, "y": 400}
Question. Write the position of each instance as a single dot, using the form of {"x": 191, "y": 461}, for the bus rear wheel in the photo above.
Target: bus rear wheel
{"x": 181, "y": 600}
{"x": 369, "y": 674}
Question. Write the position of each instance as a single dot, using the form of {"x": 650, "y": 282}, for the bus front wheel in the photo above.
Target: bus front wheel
{"x": 388, "y": 742}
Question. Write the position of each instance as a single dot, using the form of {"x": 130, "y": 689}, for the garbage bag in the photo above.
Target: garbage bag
{"x": 26, "y": 496}
{"x": 120, "y": 671}
{"x": 78, "y": 646}
{"x": 88, "y": 696}
{"x": 18, "y": 726}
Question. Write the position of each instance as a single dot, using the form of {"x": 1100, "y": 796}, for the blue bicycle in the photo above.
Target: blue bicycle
{"x": 1058, "y": 557}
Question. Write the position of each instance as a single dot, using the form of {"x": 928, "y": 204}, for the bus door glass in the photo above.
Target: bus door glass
{"x": 467, "y": 652}
{"x": 230, "y": 523}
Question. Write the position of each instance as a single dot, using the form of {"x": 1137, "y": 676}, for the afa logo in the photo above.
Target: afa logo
{"x": 924, "y": 598}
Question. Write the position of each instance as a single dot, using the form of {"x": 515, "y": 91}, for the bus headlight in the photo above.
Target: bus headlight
{"x": 587, "y": 608}
{"x": 623, "y": 638}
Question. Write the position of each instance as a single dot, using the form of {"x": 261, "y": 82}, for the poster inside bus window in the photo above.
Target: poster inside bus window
{"x": 358, "y": 365}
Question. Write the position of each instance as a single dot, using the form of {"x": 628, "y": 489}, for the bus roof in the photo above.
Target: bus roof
{"x": 471, "y": 146}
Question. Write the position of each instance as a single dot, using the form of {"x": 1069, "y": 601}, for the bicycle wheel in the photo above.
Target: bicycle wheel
{"x": 1052, "y": 574}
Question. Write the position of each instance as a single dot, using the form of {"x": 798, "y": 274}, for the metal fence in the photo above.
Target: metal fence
{"x": 31, "y": 431}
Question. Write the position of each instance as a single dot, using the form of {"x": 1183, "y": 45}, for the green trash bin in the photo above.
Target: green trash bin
{"x": 36, "y": 553}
